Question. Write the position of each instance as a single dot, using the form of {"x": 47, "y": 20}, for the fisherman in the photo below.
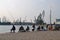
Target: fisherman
{"x": 21, "y": 29}
{"x": 33, "y": 27}
{"x": 13, "y": 29}
{"x": 27, "y": 29}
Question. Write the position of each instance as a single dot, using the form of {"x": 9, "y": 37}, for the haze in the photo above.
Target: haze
{"x": 29, "y": 8}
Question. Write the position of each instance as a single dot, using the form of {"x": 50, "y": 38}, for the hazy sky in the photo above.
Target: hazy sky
{"x": 14, "y": 9}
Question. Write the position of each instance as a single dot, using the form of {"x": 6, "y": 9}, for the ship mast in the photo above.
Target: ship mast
{"x": 50, "y": 17}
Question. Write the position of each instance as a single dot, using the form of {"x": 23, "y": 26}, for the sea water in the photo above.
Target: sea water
{"x": 6, "y": 28}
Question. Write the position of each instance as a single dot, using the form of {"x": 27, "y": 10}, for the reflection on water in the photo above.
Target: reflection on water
{"x": 6, "y": 28}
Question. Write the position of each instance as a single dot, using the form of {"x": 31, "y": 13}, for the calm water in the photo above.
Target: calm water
{"x": 6, "y": 28}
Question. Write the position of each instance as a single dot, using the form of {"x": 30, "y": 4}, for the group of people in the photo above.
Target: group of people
{"x": 21, "y": 29}
{"x": 39, "y": 28}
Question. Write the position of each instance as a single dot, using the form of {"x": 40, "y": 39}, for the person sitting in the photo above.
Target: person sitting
{"x": 38, "y": 29}
{"x": 13, "y": 29}
{"x": 42, "y": 28}
{"x": 33, "y": 27}
{"x": 21, "y": 29}
{"x": 27, "y": 29}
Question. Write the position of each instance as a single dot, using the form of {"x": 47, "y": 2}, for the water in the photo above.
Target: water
{"x": 6, "y": 28}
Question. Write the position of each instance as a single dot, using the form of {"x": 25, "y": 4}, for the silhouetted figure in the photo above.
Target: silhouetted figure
{"x": 47, "y": 26}
{"x": 57, "y": 28}
{"x": 21, "y": 29}
{"x": 50, "y": 27}
{"x": 27, "y": 29}
{"x": 33, "y": 27}
{"x": 38, "y": 29}
{"x": 42, "y": 28}
{"x": 13, "y": 29}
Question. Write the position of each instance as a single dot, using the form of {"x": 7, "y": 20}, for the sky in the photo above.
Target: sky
{"x": 27, "y": 9}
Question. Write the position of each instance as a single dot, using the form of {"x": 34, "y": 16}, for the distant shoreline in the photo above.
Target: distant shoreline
{"x": 17, "y": 23}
